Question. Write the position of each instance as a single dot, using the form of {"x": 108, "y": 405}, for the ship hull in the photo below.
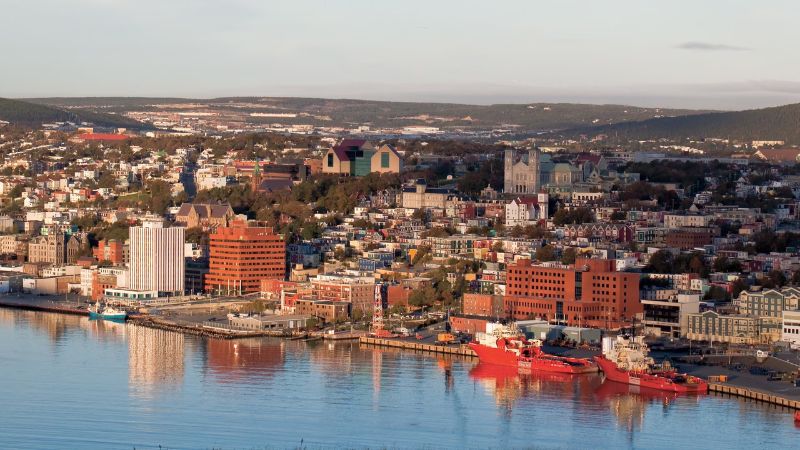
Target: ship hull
{"x": 547, "y": 363}
{"x": 647, "y": 380}
{"x": 117, "y": 317}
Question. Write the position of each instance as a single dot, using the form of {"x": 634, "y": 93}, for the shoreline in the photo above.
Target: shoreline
{"x": 718, "y": 389}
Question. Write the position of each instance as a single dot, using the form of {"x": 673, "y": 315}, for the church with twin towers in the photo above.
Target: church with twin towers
{"x": 530, "y": 172}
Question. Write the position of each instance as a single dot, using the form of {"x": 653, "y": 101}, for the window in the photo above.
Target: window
{"x": 385, "y": 160}
{"x": 330, "y": 159}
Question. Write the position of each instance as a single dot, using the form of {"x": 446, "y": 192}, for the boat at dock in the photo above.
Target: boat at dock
{"x": 106, "y": 312}
{"x": 626, "y": 360}
{"x": 506, "y": 346}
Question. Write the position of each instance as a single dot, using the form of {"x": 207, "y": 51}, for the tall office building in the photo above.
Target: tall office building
{"x": 240, "y": 256}
{"x": 157, "y": 260}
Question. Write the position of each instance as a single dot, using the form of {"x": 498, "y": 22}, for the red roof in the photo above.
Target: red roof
{"x": 583, "y": 157}
{"x": 103, "y": 137}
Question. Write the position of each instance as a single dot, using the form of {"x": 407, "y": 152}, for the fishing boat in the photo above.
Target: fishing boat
{"x": 626, "y": 360}
{"x": 506, "y": 346}
{"x": 106, "y": 312}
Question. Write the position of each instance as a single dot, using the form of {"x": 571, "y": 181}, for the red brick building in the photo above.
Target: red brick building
{"x": 241, "y": 256}
{"x": 398, "y": 295}
{"x": 589, "y": 293}
{"x": 690, "y": 237}
{"x": 483, "y": 305}
{"x": 110, "y": 250}
{"x": 101, "y": 282}
{"x": 468, "y": 324}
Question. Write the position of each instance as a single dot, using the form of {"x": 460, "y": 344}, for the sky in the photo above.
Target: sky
{"x": 708, "y": 54}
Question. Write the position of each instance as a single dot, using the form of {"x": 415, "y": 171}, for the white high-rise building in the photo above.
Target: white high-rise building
{"x": 156, "y": 257}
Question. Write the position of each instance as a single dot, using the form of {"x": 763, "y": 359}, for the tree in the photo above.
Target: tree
{"x": 572, "y": 216}
{"x": 737, "y": 287}
{"x": 569, "y": 255}
{"x": 422, "y": 297}
{"x": 16, "y": 191}
{"x": 421, "y": 255}
{"x": 660, "y": 262}
{"x": 618, "y": 215}
{"x": 546, "y": 253}
{"x": 160, "y": 196}
{"x": 196, "y": 235}
{"x": 697, "y": 265}
{"x": 311, "y": 230}
{"x": 717, "y": 293}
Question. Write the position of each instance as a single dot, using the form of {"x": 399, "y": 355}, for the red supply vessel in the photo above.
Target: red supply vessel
{"x": 507, "y": 346}
{"x": 625, "y": 360}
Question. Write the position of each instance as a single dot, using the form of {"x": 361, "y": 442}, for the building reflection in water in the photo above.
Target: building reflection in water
{"x": 155, "y": 359}
{"x": 54, "y": 325}
{"x": 233, "y": 360}
{"x": 628, "y": 404}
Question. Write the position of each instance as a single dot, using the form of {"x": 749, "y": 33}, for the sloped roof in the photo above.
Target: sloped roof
{"x": 205, "y": 210}
{"x": 346, "y": 144}
{"x": 778, "y": 154}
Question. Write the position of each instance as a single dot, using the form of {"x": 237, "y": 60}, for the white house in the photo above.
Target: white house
{"x": 527, "y": 211}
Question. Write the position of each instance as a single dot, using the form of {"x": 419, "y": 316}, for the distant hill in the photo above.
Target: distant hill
{"x": 34, "y": 115}
{"x": 345, "y": 112}
{"x": 776, "y": 123}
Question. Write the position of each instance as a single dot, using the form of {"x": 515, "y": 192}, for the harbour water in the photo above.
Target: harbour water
{"x": 68, "y": 382}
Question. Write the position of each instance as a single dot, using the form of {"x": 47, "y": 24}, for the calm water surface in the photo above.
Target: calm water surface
{"x": 67, "y": 382}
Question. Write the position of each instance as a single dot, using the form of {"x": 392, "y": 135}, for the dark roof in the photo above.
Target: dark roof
{"x": 205, "y": 210}
{"x": 345, "y": 145}
{"x": 275, "y": 184}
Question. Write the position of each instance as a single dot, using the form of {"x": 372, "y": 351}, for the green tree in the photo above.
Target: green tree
{"x": 569, "y": 255}
{"x": 546, "y": 253}
{"x": 423, "y": 297}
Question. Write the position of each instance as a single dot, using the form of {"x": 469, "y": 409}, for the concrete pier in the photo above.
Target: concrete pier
{"x": 753, "y": 395}
{"x": 417, "y": 346}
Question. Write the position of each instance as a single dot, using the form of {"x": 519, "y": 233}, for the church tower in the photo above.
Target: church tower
{"x": 255, "y": 180}
{"x": 508, "y": 171}
{"x": 534, "y": 170}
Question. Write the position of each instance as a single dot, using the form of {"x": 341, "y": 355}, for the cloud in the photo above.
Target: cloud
{"x": 708, "y": 46}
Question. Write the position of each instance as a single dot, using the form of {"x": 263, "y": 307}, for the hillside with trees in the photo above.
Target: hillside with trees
{"x": 343, "y": 112}
{"x": 34, "y": 115}
{"x": 776, "y": 123}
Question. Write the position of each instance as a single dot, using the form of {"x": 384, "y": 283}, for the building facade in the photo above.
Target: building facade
{"x": 240, "y": 256}
{"x": 55, "y": 249}
{"x": 524, "y": 211}
{"x": 589, "y": 293}
{"x": 157, "y": 258}
{"x": 711, "y": 326}
{"x": 358, "y": 158}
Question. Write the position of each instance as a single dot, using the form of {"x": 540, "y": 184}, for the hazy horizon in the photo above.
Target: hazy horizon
{"x": 716, "y": 54}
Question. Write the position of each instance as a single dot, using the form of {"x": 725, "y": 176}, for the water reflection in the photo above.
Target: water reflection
{"x": 104, "y": 329}
{"x": 628, "y": 404}
{"x": 155, "y": 359}
{"x": 155, "y": 387}
{"x": 55, "y": 326}
{"x": 232, "y": 360}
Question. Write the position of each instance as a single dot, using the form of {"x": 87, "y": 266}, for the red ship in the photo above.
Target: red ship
{"x": 626, "y": 360}
{"x": 506, "y": 346}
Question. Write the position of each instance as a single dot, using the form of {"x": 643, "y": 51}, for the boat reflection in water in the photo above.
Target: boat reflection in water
{"x": 627, "y": 403}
